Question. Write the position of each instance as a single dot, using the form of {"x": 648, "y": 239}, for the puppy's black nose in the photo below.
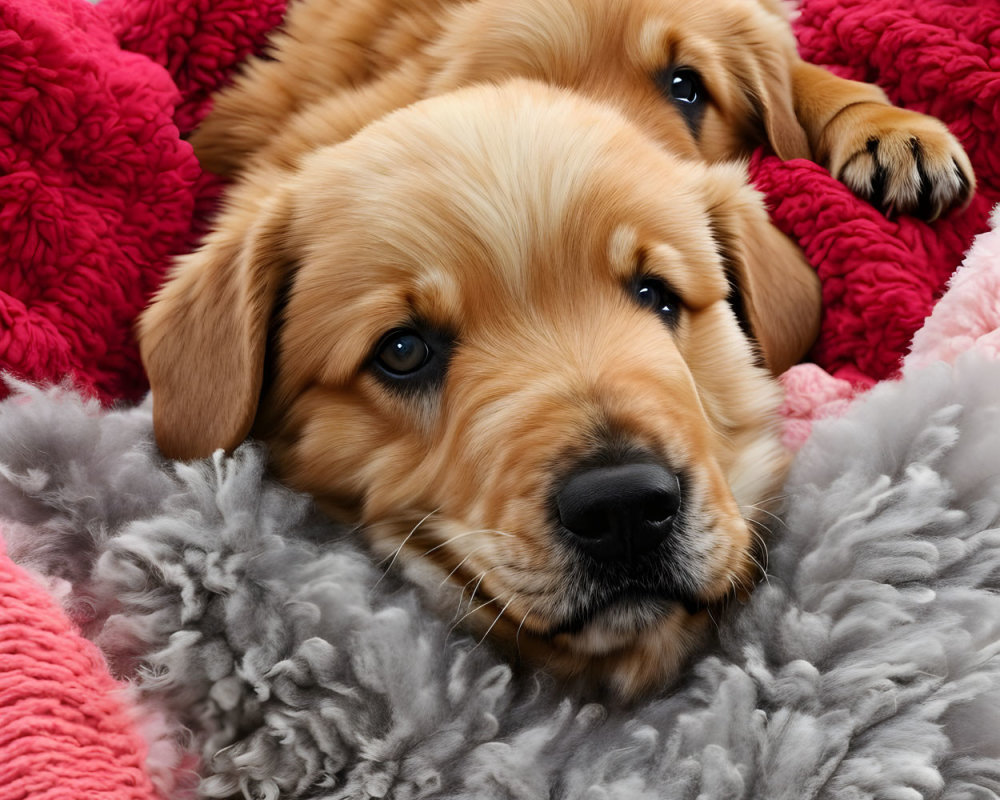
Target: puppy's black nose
{"x": 619, "y": 513}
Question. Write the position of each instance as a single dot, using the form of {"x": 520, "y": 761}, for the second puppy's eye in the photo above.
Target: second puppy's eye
{"x": 653, "y": 294}
{"x": 685, "y": 86}
{"x": 402, "y": 353}
{"x": 685, "y": 89}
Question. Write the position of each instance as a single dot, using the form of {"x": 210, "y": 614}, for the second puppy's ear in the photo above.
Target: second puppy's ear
{"x": 774, "y": 292}
{"x": 767, "y": 84}
{"x": 204, "y": 337}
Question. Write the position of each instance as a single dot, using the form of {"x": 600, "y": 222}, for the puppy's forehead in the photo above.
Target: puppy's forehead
{"x": 497, "y": 190}
{"x": 559, "y": 38}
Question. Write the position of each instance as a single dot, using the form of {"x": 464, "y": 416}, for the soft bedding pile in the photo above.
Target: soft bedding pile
{"x": 260, "y": 652}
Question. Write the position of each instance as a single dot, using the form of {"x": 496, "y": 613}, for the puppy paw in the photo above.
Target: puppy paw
{"x": 899, "y": 160}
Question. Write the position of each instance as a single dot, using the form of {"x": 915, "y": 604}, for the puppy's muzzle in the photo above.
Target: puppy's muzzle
{"x": 618, "y": 514}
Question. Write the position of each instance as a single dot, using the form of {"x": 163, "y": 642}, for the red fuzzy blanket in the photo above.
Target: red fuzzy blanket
{"x": 98, "y": 190}
{"x": 882, "y": 277}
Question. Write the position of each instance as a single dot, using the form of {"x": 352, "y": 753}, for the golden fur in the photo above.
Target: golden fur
{"x": 509, "y": 225}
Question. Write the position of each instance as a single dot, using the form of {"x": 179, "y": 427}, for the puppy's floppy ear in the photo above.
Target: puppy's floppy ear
{"x": 774, "y": 292}
{"x": 768, "y": 84}
{"x": 204, "y": 337}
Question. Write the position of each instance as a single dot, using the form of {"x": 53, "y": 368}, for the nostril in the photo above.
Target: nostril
{"x": 622, "y": 511}
{"x": 661, "y": 506}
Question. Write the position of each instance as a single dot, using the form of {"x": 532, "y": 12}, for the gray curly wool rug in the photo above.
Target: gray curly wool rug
{"x": 866, "y": 666}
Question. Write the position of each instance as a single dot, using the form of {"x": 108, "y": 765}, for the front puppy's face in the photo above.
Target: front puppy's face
{"x": 507, "y": 352}
{"x": 500, "y": 341}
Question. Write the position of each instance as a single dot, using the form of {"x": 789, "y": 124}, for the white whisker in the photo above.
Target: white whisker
{"x": 461, "y": 595}
{"x": 402, "y": 544}
{"x": 714, "y": 621}
{"x": 462, "y": 536}
{"x": 761, "y": 510}
{"x": 495, "y": 621}
{"x": 763, "y": 562}
{"x": 476, "y": 587}
{"x": 517, "y": 635}
{"x": 468, "y": 614}
{"x": 407, "y": 538}
{"x": 458, "y": 566}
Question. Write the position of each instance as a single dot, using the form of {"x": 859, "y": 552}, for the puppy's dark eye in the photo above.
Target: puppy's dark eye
{"x": 684, "y": 88}
{"x": 653, "y": 294}
{"x": 412, "y": 359}
{"x": 402, "y": 352}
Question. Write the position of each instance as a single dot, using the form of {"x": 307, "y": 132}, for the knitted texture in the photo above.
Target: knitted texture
{"x": 199, "y": 42}
{"x": 63, "y": 732}
{"x": 97, "y": 188}
{"x": 95, "y": 192}
{"x": 881, "y": 277}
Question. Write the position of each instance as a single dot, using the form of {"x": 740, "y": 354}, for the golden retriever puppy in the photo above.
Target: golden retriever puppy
{"x": 520, "y": 343}
{"x": 711, "y": 80}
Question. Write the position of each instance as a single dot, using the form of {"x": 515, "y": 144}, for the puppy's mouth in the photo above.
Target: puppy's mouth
{"x": 627, "y": 612}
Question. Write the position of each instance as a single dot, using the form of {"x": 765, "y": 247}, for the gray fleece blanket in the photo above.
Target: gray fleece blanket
{"x": 867, "y": 665}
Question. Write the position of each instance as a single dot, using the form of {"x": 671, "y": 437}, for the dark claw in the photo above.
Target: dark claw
{"x": 925, "y": 207}
{"x": 877, "y": 198}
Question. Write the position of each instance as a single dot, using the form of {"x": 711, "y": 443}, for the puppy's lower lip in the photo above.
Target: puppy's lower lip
{"x": 585, "y": 617}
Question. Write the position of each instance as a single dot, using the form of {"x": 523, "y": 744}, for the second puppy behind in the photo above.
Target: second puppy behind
{"x": 711, "y": 80}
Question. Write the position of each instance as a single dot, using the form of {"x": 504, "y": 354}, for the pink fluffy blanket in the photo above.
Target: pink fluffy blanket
{"x": 64, "y": 729}
{"x": 99, "y": 190}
